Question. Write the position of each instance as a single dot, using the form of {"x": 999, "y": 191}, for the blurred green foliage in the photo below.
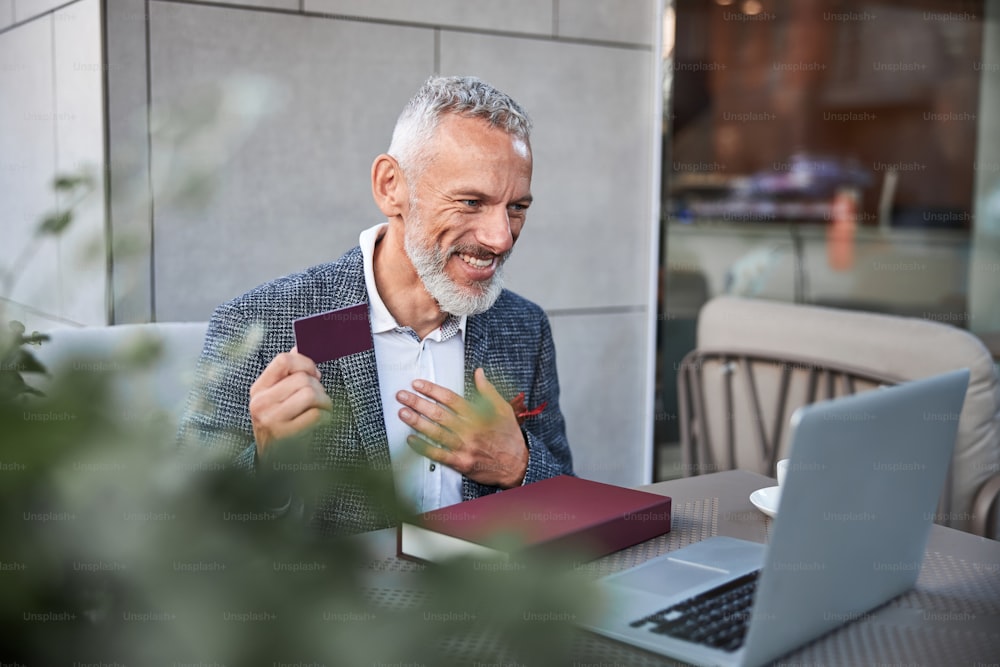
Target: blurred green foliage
{"x": 118, "y": 547}
{"x": 16, "y": 359}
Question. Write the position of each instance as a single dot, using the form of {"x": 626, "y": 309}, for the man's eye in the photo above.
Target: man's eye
{"x": 518, "y": 208}
{"x": 472, "y": 203}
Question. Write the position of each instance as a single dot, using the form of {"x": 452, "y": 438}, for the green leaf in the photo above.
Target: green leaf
{"x": 26, "y": 362}
{"x": 28, "y": 389}
{"x": 55, "y": 223}
{"x": 35, "y": 338}
{"x": 67, "y": 183}
{"x": 13, "y": 386}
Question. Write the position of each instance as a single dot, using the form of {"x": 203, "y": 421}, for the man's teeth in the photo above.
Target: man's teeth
{"x": 477, "y": 262}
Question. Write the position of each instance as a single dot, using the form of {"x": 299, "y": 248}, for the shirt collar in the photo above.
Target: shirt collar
{"x": 381, "y": 319}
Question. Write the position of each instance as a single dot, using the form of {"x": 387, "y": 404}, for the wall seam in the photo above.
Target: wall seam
{"x": 582, "y": 41}
{"x": 28, "y": 309}
{"x": 55, "y": 165}
{"x": 596, "y": 310}
{"x": 149, "y": 167}
{"x": 109, "y": 269}
{"x": 253, "y": 8}
{"x": 655, "y": 260}
{"x": 36, "y": 17}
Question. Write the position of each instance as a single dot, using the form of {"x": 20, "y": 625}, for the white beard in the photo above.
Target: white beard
{"x": 429, "y": 263}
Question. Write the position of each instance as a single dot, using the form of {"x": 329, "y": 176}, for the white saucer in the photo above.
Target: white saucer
{"x": 766, "y": 500}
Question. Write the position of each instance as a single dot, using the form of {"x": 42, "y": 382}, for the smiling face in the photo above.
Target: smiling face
{"x": 466, "y": 209}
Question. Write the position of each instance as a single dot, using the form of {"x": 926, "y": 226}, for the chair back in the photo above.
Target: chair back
{"x": 757, "y": 361}
{"x": 152, "y": 390}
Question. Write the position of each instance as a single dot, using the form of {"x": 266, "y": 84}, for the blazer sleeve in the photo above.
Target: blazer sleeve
{"x": 216, "y": 421}
{"x": 548, "y": 449}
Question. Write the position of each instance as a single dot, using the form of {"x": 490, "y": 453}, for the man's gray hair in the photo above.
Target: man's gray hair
{"x": 461, "y": 95}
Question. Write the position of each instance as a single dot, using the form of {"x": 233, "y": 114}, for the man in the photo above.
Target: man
{"x": 431, "y": 402}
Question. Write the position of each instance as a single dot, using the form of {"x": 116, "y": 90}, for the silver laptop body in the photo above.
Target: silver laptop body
{"x": 853, "y": 519}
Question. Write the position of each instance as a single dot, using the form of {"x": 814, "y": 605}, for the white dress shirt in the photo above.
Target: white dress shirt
{"x": 401, "y": 357}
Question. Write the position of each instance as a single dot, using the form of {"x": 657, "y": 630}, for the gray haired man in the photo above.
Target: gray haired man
{"x": 458, "y": 396}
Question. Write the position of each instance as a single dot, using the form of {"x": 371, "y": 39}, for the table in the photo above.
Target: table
{"x": 951, "y": 617}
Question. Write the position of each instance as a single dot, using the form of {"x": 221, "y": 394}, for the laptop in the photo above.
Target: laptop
{"x": 854, "y": 514}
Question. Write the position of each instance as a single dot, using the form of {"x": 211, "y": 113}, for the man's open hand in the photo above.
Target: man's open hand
{"x": 483, "y": 441}
{"x": 286, "y": 399}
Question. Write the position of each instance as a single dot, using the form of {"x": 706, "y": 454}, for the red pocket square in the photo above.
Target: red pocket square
{"x": 521, "y": 411}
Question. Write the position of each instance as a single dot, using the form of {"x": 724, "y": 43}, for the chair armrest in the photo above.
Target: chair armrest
{"x": 983, "y": 505}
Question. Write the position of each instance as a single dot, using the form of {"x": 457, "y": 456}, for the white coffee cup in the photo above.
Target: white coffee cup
{"x": 782, "y": 469}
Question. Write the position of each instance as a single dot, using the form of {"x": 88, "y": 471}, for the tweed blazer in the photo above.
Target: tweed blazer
{"x": 512, "y": 342}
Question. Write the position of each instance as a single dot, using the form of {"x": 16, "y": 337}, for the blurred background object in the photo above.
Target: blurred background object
{"x": 831, "y": 152}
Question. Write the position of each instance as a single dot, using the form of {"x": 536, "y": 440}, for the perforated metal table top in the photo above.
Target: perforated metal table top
{"x": 951, "y": 618}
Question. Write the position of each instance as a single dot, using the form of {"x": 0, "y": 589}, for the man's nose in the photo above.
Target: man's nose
{"x": 494, "y": 231}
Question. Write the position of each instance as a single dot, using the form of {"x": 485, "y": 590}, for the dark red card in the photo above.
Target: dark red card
{"x": 334, "y": 334}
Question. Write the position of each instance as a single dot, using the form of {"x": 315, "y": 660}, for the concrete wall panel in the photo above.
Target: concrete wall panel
{"x": 527, "y": 16}
{"x": 631, "y": 21}
{"x": 600, "y": 358}
{"x": 79, "y": 118}
{"x": 287, "y": 187}
{"x": 586, "y": 241}
{"x": 28, "y": 161}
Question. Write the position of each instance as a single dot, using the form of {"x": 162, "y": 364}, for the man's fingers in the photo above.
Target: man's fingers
{"x": 433, "y": 430}
{"x": 426, "y": 448}
{"x": 286, "y": 399}
{"x": 480, "y": 438}
{"x": 307, "y": 419}
{"x": 287, "y": 409}
{"x": 443, "y": 396}
{"x": 436, "y": 412}
{"x": 283, "y": 365}
{"x": 486, "y": 388}
{"x": 285, "y": 388}
{"x": 280, "y": 413}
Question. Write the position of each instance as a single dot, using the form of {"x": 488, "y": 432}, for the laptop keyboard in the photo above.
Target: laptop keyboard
{"x": 719, "y": 617}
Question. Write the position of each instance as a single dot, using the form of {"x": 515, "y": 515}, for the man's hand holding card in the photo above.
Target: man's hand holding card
{"x": 483, "y": 442}
{"x": 288, "y": 397}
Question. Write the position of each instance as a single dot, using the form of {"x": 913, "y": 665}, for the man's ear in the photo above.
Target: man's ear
{"x": 389, "y": 187}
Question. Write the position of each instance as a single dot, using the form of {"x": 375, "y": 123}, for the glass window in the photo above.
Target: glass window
{"x": 829, "y": 152}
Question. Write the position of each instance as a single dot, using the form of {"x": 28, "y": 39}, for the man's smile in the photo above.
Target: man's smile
{"x": 478, "y": 262}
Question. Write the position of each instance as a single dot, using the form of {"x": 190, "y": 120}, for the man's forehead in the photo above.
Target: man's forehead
{"x": 521, "y": 147}
{"x": 461, "y": 128}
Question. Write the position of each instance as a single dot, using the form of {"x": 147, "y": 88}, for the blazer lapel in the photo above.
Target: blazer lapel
{"x": 476, "y": 346}
{"x": 477, "y": 355}
{"x": 359, "y": 373}
{"x": 360, "y": 377}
